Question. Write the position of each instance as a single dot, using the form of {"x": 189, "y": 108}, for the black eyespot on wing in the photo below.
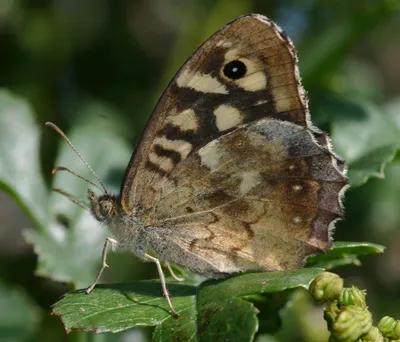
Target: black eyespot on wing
{"x": 235, "y": 70}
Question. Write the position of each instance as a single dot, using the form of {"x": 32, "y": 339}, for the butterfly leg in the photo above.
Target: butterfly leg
{"x": 104, "y": 263}
{"x": 173, "y": 275}
{"x": 163, "y": 283}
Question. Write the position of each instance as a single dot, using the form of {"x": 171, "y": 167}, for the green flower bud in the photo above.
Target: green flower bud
{"x": 353, "y": 296}
{"x": 351, "y": 323}
{"x": 389, "y": 327}
{"x": 326, "y": 286}
{"x": 330, "y": 314}
{"x": 374, "y": 335}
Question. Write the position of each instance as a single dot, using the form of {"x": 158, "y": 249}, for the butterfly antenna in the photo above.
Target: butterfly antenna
{"x": 71, "y": 198}
{"x": 59, "y": 131}
{"x": 62, "y": 168}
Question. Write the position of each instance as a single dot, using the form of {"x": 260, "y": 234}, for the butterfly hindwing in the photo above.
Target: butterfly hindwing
{"x": 210, "y": 96}
{"x": 243, "y": 199}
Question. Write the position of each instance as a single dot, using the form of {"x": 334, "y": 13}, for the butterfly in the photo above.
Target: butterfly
{"x": 229, "y": 174}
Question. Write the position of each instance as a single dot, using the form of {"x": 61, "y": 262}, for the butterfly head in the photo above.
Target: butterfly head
{"x": 104, "y": 207}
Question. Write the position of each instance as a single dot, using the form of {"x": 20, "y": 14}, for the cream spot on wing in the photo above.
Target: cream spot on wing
{"x": 249, "y": 181}
{"x": 297, "y": 187}
{"x": 201, "y": 82}
{"x": 210, "y": 155}
{"x": 283, "y": 105}
{"x": 224, "y": 44}
{"x": 163, "y": 163}
{"x": 231, "y": 55}
{"x": 227, "y": 117}
{"x": 255, "y": 78}
{"x": 253, "y": 82}
{"x": 286, "y": 95}
{"x": 185, "y": 120}
{"x": 181, "y": 146}
{"x": 292, "y": 167}
{"x": 296, "y": 220}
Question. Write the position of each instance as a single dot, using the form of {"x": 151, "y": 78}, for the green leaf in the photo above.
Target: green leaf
{"x": 223, "y": 315}
{"x": 344, "y": 253}
{"x": 211, "y": 311}
{"x": 365, "y": 137}
{"x": 69, "y": 247}
{"x": 20, "y": 174}
{"x": 372, "y": 164}
{"x": 19, "y": 317}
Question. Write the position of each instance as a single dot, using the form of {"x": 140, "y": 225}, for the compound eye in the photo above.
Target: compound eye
{"x": 105, "y": 208}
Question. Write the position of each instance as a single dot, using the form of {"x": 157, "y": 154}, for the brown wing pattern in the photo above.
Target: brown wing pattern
{"x": 249, "y": 197}
{"x": 210, "y": 96}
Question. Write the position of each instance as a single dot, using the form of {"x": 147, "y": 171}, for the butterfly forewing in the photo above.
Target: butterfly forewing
{"x": 208, "y": 98}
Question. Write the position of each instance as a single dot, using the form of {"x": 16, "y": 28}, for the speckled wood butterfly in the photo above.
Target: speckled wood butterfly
{"x": 229, "y": 174}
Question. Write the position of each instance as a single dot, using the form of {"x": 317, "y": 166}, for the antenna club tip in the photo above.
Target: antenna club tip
{"x": 54, "y": 171}
{"x": 54, "y": 126}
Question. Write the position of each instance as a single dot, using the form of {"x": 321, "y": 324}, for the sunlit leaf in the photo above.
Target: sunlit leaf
{"x": 20, "y": 173}
{"x": 69, "y": 248}
{"x": 344, "y": 253}
{"x": 210, "y": 311}
{"x": 365, "y": 137}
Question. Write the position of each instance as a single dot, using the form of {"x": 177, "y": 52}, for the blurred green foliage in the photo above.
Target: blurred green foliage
{"x": 96, "y": 68}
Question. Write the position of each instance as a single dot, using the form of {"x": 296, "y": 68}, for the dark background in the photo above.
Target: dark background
{"x": 108, "y": 61}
